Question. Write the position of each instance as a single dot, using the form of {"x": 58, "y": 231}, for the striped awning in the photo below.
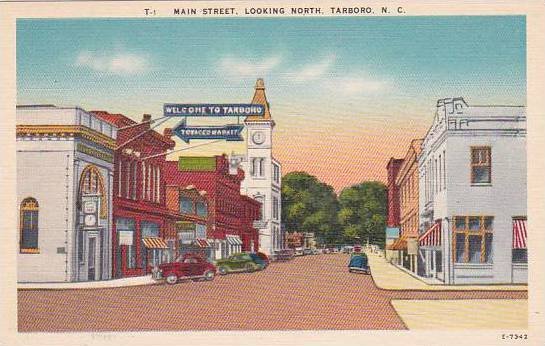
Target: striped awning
{"x": 233, "y": 239}
{"x": 432, "y": 237}
{"x": 520, "y": 235}
{"x": 154, "y": 243}
{"x": 200, "y": 242}
{"x": 399, "y": 244}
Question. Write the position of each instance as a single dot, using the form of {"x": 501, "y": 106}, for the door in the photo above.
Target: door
{"x": 91, "y": 259}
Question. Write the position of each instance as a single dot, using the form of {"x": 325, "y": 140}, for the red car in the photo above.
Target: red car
{"x": 190, "y": 266}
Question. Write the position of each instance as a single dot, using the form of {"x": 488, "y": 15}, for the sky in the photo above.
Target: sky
{"x": 346, "y": 93}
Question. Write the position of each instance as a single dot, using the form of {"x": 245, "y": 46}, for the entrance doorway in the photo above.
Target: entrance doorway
{"x": 91, "y": 262}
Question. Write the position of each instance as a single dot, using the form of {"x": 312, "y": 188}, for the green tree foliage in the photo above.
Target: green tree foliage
{"x": 309, "y": 205}
{"x": 362, "y": 212}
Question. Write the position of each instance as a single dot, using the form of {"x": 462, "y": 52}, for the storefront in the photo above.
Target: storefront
{"x": 429, "y": 253}
{"x": 234, "y": 244}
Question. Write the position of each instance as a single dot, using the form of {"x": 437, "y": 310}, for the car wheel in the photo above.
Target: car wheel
{"x": 172, "y": 279}
{"x": 222, "y": 270}
{"x": 209, "y": 275}
{"x": 250, "y": 268}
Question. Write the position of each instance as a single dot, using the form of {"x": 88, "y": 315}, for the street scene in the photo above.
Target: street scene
{"x": 280, "y": 185}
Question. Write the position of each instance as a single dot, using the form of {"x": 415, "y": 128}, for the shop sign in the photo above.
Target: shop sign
{"x": 229, "y": 132}
{"x": 212, "y": 110}
{"x": 185, "y": 226}
{"x": 412, "y": 246}
{"x": 90, "y": 208}
{"x": 125, "y": 237}
{"x": 260, "y": 224}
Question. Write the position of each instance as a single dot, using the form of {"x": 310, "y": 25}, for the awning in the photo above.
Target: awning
{"x": 154, "y": 243}
{"x": 399, "y": 244}
{"x": 520, "y": 235}
{"x": 200, "y": 242}
{"x": 432, "y": 237}
{"x": 233, "y": 240}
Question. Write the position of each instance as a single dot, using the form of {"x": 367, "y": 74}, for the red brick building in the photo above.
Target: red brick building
{"x": 393, "y": 192}
{"x": 230, "y": 214}
{"x": 143, "y": 232}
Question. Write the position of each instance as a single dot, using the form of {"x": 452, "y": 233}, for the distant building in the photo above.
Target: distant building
{"x": 65, "y": 164}
{"x": 295, "y": 239}
{"x": 407, "y": 184}
{"x": 392, "y": 249}
{"x": 263, "y": 179}
{"x": 143, "y": 234}
{"x": 230, "y": 215}
{"x": 472, "y": 196}
{"x": 192, "y": 235}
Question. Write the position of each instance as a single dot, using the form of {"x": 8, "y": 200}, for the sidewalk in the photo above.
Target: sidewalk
{"x": 389, "y": 277}
{"x": 124, "y": 282}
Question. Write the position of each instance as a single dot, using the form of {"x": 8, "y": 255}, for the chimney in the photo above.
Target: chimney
{"x": 167, "y": 132}
{"x": 146, "y": 117}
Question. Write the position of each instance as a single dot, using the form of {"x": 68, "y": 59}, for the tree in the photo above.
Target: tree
{"x": 309, "y": 205}
{"x": 363, "y": 212}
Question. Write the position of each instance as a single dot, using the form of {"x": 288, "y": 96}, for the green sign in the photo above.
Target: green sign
{"x": 197, "y": 163}
{"x": 185, "y": 226}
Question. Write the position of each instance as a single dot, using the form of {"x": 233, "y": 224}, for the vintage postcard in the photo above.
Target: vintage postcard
{"x": 233, "y": 172}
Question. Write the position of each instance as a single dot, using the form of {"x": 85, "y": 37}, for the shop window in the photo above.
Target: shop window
{"x": 29, "y": 226}
{"x": 126, "y": 231}
{"x": 201, "y": 231}
{"x": 520, "y": 255}
{"x": 186, "y": 205}
{"x": 473, "y": 239}
{"x": 92, "y": 183}
{"x": 481, "y": 165}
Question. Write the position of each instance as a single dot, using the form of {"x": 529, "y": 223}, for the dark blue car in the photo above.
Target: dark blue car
{"x": 258, "y": 260}
{"x": 359, "y": 264}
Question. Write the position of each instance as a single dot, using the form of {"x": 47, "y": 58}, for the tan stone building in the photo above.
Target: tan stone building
{"x": 407, "y": 182}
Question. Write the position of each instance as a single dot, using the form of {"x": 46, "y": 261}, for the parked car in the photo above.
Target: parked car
{"x": 348, "y": 249}
{"x": 307, "y": 252}
{"x": 284, "y": 255}
{"x": 315, "y": 251}
{"x": 260, "y": 259}
{"x": 359, "y": 264}
{"x": 299, "y": 251}
{"x": 239, "y": 262}
{"x": 190, "y": 266}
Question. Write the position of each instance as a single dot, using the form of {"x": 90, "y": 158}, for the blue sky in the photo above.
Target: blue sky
{"x": 328, "y": 72}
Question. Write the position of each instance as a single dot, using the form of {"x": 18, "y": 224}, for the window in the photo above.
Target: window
{"x": 200, "y": 230}
{"x": 128, "y": 180}
{"x": 119, "y": 177}
{"x": 133, "y": 180}
{"x": 143, "y": 193}
{"x": 481, "y": 165}
{"x": 473, "y": 239}
{"x": 440, "y": 173}
{"x": 29, "y": 226}
{"x": 158, "y": 178}
{"x": 444, "y": 170}
{"x": 186, "y": 205}
{"x": 276, "y": 173}
{"x": 202, "y": 209}
{"x": 125, "y": 225}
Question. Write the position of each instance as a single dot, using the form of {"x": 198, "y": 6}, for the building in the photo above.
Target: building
{"x": 407, "y": 184}
{"x": 230, "y": 215}
{"x": 192, "y": 204}
{"x": 143, "y": 233}
{"x": 65, "y": 164}
{"x": 392, "y": 248}
{"x": 295, "y": 239}
{"x": 263, "y": 179}
{"x": 472, "y": 195}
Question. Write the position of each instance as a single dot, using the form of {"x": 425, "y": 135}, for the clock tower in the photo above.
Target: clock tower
{"x": 262, "y": 180}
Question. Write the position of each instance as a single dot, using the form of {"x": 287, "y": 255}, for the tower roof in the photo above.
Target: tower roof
{"x": 260, "y": 98}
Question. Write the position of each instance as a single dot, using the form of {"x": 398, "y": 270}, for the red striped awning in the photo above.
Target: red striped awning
{"x": 154, "y": 243}
{"x": 520, "y": 235}
{"x": 432, "y": 237}
{"x": 200, "y": 242}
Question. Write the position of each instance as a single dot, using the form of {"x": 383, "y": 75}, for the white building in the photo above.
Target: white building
{"x": 64, "y": 183}
{"x": 263, "y": 174}
{"x": 472, "y": 195}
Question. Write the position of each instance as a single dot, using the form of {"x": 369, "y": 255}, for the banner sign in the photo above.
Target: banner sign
{"x": 125, "y": 237}
{"x": 226, "y": 132}
{"x": 212, "y": 110}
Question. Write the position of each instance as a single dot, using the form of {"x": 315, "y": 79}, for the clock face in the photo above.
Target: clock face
{"x": 90, "y": 220}
{"x": 258, "y": 137}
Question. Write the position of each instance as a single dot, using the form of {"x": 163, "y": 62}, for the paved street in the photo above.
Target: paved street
{"x": 311, "y": 292}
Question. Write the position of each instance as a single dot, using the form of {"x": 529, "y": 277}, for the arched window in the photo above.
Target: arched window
{"x": 29, "y": 226}
{"x": 92, "y": 183}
